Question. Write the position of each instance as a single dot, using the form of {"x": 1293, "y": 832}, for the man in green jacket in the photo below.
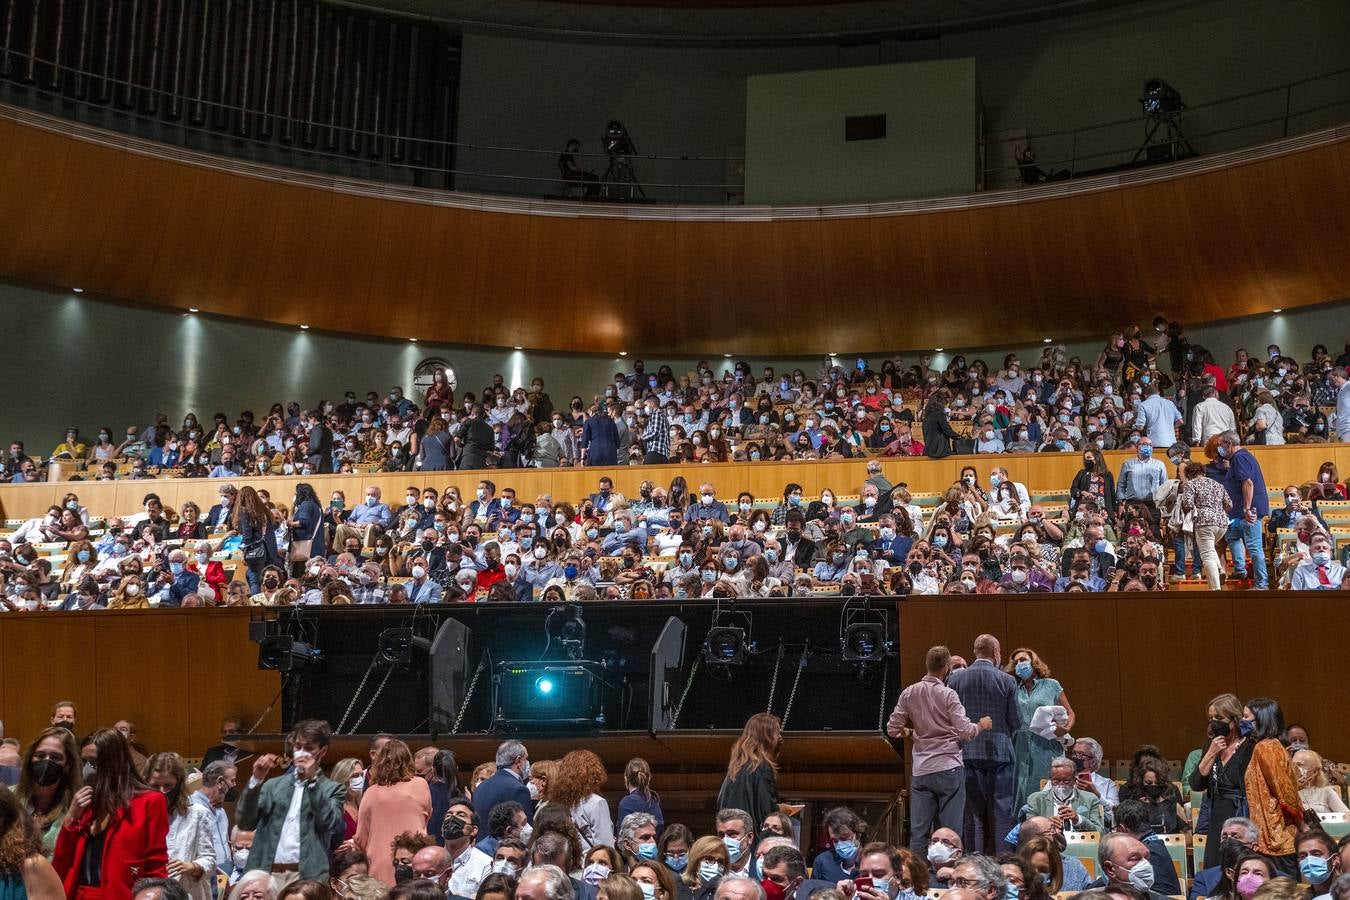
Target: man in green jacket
{"x": 292, "y": 816}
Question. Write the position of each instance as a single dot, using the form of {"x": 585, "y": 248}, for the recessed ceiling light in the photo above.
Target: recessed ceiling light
{"x": 1047, "y": 340}
{"x": 623, "y": 352}
{"x": 1278, "y": 309}
{"x": 518, "y": 347}
{"x": 304, "y": 328}
{"x": 78, "y": 290}
{"x": 937, "y": 349}
{"x": 727, "y": 355}
{"x": 412, "y": 340}
{"x": 193, "y": 309}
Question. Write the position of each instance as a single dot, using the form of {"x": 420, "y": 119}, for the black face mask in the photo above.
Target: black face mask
{"x": 402, "y": 873}
{"x": 46, "y": 772}
{"x": 68, "y": 726}
{"x": 428, "y": 546}
{"x": 453, "y": 829}
{"x": 1217, "y": 728}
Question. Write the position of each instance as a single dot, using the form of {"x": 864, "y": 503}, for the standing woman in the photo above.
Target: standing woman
{"x": 395, "y": 801}
{"x": 1094, "y": 480}
{"x": 24, "y": 871}
{"x": 1222, "y": 771}
{"x": 116, "y": 830}
{"x": 938, "y": 433}
{"x": 258, "y": 539}
{"x": 1033, "y": 753}
{"x": 575, "y": 787}
{"x": 751, "y": 783}
{"x": 192, "y": 851}
{"x": 1272, "y": 787}
{"x": 307, "y": 525}
{"x": 637, "y": 780}
{"x": 433, "y": 454}
{"x": 350, "y": 773}
{"x": 48, "y": 781}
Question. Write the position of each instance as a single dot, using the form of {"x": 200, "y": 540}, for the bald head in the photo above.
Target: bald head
{"x": 430, "y": 862}
{"x": 987, "y": 647}
{"x": 961, "y": 894}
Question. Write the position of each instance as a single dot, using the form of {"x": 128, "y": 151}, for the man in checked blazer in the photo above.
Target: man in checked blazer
{"x": 294, "y": 815}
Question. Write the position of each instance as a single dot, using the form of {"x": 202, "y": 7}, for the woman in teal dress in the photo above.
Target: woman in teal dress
{"x": 1033, "y": 753}
{"x": 25, "y": 874}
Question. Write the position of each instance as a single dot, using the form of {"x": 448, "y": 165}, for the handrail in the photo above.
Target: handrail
{"x": 705, "y": 190}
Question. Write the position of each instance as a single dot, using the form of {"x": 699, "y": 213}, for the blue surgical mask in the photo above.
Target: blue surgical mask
{"x": 882, "y": 886}
{"x": 176, "y": 568}
{"x": 846, "y": 849}
{"x": 686, "y": 559}
{"x": 569, "y": 572}
{"x": 1320, "y": 559}
{"x": 709, "y": 576}
{"x": 1023, "y": 670}
{"x": 1099, "y": 547}
{"x": 733, "y": 846}
{"x": 371, "y": 501}
{"x": 940, "y": 541}
{"x": 1246, "y": 727}
{"x": 676, "y": 863}
{"x": 730, "y": 563}
{"x": 1013, "y": 892}
{"x": 647, "y": 850}
{"x": 82, "y": 556}
{"x": 708, "y": 870}
{"x": 1314, "y": 869}
{"x": 592, "y": 533}
{"x": 771, "y": 555}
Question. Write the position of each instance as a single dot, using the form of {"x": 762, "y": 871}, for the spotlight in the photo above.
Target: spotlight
{"x": 412, "y": 340}
{"x": 304, "y": 328}
{"x": 1278, "y": 309}
{"x": 725, "y": 645}
{"x": 400, "y": 645}
{"x": 1160, "y": 99}
{"x": 193, "y": 309}
{"x": 1047, "y": 340}
{"x": 544, "y": 685}
{"x": 623, "y": 352}
{"x": 78, "y": 290}
{"x": 519, "y": 347}
{"x": 865, "y": 642}
{"x": 285, "y": 655}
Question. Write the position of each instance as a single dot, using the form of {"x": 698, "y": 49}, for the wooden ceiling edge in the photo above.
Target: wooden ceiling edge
{"x": 658, "y": 212}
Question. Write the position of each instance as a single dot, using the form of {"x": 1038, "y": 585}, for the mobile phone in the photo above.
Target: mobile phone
{"x": 863, "y": 881}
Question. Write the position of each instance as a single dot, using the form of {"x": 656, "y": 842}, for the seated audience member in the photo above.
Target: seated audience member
{"x": 1062, "y": 798}
{"x": 1075, "y": 874}
{"x": 1238, "y": 836}
{"x": 1318, "y": 570}
{"x": 1133, "y": 818}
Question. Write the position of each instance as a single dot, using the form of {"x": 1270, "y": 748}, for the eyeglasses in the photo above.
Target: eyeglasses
{"x": 967, "y": 883}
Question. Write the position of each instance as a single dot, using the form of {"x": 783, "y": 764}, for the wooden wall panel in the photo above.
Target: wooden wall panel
{"x": 1210, "y": 239}
{"x": 145, "y": 669}
{"x": 47, "y": 658}
{"x": 1040, "y": 472}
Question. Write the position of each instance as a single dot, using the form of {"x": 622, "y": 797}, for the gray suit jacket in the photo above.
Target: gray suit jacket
{"x": 263, "y": 809}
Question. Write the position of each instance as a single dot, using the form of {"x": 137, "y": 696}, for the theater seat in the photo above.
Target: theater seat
{"x": 1335, "y": 824}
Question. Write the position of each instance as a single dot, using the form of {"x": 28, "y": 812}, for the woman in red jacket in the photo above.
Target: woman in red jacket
{"x": 116, "y": 830}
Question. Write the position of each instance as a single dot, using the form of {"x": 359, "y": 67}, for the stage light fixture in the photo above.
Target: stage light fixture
{"x": 400, "y": 645}
{"x": 286, "y": 655}
{"x": 544, "y": 685}
{"x": 725, "y": 646}
{"x": 865, "y": 642}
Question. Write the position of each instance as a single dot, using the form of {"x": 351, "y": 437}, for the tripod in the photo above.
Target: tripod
{"x": 620, "y": 172}
{"x": 1174, "y": 140}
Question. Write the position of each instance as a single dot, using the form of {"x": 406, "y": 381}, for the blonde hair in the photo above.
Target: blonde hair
{"x": 707, "y": 847}
{"x": 343, "y": 770}
{"x": 1318, "y": 778}
{"x": 1037, "y": 664}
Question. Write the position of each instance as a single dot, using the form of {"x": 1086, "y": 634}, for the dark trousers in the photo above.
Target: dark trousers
{"x": 989, "y": 798}
{"x": 936, "y": 800}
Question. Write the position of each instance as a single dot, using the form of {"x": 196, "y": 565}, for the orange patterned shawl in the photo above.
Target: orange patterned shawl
{"x": 1272, "y": 795}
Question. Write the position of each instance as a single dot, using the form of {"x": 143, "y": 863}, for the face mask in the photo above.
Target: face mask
{"x": 1013, "y": 892}
{"x": 402, "y": 873}
{"x": 1141, "y": 875}
{"x": 1246, "y": 727}
{"x": 133, "y": 589}
{"x": 1248, "y": 884}
{"x": 1023, "y": 670}
{"x": 1321, "y": 559}
{"x": 939, "y": 853}
{"x": 846, "y": 849}
{"x": 647, "y": 850}
{"x": 569, "y": 572}
{"x": 708, "y": 576}
{"x": 709, "y": 871}
{"x": 240, "y": 859}
{"x": 1314, "y": 869}
{"x": 419, "y": 572}
{"x": 595, "y": 873}
{"x": 773, "y": 890}
{"x": 676, "y": 863}
{"x": 733, "y": 846}
{"x": 504, "y": 867}
{"x": 940, "y": 541}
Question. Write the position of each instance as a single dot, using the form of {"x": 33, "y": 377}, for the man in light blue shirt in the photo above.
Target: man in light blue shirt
{"x": 1320, "y": 571}
{"x": 987, "y": 439}
{"x": 1160, "y": 417}
{"x": 372, "y": 512}
{"x": 217, "y": 781}
{"x": 1141, "y": 476}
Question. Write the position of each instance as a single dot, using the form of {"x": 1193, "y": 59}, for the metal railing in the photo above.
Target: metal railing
{"x": 1216, "y": 126}
{"x": 1224, "y": 124}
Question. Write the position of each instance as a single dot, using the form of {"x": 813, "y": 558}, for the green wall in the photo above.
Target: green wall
{"x": 71, "y": 360}
{"x": 795, "y": 152}
{"x": 1049, "y": 75}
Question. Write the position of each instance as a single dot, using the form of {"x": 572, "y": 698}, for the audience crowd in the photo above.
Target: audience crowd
{"x": 1142, "y": 528}
{"x": 1004, "y": 803}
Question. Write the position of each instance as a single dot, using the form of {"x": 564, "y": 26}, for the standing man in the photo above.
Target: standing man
{"x": 1159, "y": 417}
{"x": 293, "y": 816}
{"x": 320, "y": 444}
{"x": 988, "y": 692}
{"x": 600, "y": 440}
{"x": 475, "y": 439}
{"x": 656, "y": 436}
{"x": 1246, "y": 487}
{"x": 931, "y": 714}
{"x": 1340, "y": 380}
{"x": 218, "y": 781}
{"x": 511, "y": 782}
